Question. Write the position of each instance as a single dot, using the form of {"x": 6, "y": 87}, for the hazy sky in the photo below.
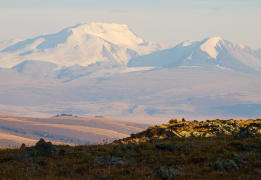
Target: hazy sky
{"x": 166, "y": 21}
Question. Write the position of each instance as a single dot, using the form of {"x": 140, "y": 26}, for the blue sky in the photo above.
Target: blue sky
{"x": 166, "y": 21}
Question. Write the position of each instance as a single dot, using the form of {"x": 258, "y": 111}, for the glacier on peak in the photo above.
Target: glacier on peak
{"x": 215, "y": 52}
{"x": 82, "y": 44}
{"x": 209, "y": 46}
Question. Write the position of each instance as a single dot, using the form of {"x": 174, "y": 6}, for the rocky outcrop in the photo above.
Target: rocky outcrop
{"x": 209, "y": 128}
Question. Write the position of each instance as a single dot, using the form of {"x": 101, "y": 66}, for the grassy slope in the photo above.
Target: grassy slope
{"x": 193, "y": 155}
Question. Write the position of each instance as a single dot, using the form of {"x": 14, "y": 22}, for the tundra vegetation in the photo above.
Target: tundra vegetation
{"x": 213, "y": 149}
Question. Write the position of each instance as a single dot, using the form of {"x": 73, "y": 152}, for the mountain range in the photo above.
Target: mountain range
{"x": 98, "y": 68}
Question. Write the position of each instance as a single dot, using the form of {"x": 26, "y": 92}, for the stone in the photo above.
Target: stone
{"x": 114, "y": 161}
{"x": 208, "y": 135}
{"x": 151, "y": 134}
{"x": 185, "y": 134}
{"x": 165, "y": 147}
{"x": 45, "y": 148}
{"x": 164, "y": 172}
{"x": 171, "y": 133}
{"x": 230, "y": 165}
{"x": 125, "y": 149}
{"x": 64, "y": 152}
{"x": 197, "y": 134}
{"x": 258, "y": 155}
{"x": 223, "y": 151}
{"x": 217, "y": 166}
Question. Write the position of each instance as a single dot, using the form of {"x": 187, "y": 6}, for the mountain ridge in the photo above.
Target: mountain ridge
{"x": 82, "y": 44}
{"x": 212, "y": 51}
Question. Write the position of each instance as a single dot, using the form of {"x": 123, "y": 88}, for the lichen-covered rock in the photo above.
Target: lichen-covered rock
{"x": 45, "y": 148}
{"x": 164, "y": 172}
{"x": 185, "y": 134}
{"x": 217, "y": 166}
{"x": 114, "y": 161}
{"x": 258, "y": 155}
{"x": 230, "y": 165}
{"x": 208, "y": 135}
{"x": 125, "y": 149}
{"x": 64, "y": 152}
{"x": 166, "y": 147}
{"x": 197, "y": 134}
{"x": 150, "y": 134}
{"x": 171, "y": 133}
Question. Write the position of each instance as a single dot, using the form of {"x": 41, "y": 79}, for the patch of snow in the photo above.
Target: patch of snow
{"x": 224, "y": 68}
{"x": 241, "y": 46}
{"x": 188, "y": 43}
{"x": 190, "y": 56}
{"x": 209, "y": 46}
{"x": 136, "y": 69}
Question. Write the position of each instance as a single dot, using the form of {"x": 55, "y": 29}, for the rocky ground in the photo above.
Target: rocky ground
{"x": 209, "y": 128}
{"x": 216, "y": 149}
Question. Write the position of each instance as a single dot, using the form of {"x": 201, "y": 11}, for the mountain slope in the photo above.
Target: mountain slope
{"x": 209, "y": 52}
{"x": 74, "y": 130}
{"x": 36, "y": 69}
{"x": 82, "y": 44}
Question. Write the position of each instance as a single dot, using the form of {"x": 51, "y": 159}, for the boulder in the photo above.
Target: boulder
{"x": 197, "y": 134}
{"x": 185, "y": 134}
{"x": 217, "y": 166}
{"x": 114, "y": 161}
{"x": 164, "y": 172}
{"x": 166, "y": 147}
{"x": 123, "y": 149}
{"x": 230, "y": 165}
{"x": 43, "y": 148}
{"x": 171, "y": 133}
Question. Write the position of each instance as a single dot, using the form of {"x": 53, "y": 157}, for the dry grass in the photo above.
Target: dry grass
{"x": 194, "y": 158}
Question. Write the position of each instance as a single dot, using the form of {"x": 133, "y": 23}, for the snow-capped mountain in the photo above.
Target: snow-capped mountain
{"x": 82, "y": 44}
{"x": 35, "y": 69}
{"x": 211, "y": 51}
{"x": 5, "y": 44}
{"x": 105, "y": 69}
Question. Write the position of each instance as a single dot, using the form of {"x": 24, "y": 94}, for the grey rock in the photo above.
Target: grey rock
{"x": 230, "y": 165}
{"x": 171, "y": 133}
{"x": 125, "y": 149}
{"x": 64, "y": 152}
{"x": 185, "y": 134}
{"x": 151, "y": 134}
{"x": 217, "y": 166}
{"x": 197, "y": 134}
{"x": 164, "y": 172}
{"x": 45, "y": 148}
{"x": 258, "y": 155}
{"x": 114, "y": 161}
{"x": 167, "y": 147}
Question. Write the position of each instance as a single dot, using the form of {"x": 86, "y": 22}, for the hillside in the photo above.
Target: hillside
{"x": 185, "y": 129}
{"x": 15, "y": 130}
{"x": 160, "y": 157}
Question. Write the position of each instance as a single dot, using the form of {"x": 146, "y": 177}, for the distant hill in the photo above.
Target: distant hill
{"x": 15, "y": 130}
